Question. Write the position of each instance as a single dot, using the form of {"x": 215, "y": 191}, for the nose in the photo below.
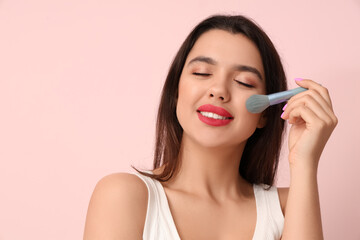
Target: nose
{"x": 219, "y": 92}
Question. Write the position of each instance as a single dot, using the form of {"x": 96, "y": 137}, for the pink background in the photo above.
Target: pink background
{"x": 80, "y": 84}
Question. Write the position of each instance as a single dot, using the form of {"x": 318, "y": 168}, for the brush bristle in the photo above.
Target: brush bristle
{"x": 257, "y": 103}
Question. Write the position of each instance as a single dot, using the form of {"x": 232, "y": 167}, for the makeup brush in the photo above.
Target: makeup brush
{"x": 258, "y": 103}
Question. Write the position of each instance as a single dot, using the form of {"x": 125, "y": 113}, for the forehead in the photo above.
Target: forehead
{"x": 227, "y": 49}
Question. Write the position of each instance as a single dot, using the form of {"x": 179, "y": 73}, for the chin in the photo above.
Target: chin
{"x": 216, "y": 143}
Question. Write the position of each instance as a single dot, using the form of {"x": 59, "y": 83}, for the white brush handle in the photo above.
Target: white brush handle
{"x": 280, "y": 97}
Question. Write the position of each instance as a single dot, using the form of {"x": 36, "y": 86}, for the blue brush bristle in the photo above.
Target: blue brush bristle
{"x": 257, "y": 103}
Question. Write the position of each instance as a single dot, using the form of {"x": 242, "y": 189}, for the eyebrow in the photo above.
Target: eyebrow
{"x": 241, "y": 68}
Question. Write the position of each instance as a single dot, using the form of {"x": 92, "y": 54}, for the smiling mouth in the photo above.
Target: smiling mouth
{"x": 214, "y": 115}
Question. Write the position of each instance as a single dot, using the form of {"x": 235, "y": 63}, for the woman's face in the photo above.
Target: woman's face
{"x": 221, "y": 72}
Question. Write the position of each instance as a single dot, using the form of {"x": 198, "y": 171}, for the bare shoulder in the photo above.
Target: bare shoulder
{"x": 283, "y": 196}
{"x": 117, "y": 208}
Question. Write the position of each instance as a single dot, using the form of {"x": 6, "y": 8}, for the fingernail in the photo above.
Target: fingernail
{"x": 284, "y": 107}
{"x": 298, "y": 79}
{"x": 282, "y": 115}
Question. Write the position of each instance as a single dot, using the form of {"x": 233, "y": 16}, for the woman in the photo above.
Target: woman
{"x": 215, "y": 162}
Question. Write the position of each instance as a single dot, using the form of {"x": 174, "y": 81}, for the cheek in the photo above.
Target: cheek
{"x": 246, "y": 122}
{"x": 245, "y": 127}
{"x": 189, "y": 96}
{"x": 182, "y": 102}
{"x": 188, "y": 93}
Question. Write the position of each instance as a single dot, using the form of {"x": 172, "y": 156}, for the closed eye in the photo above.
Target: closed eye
{"x": 201, "y": 74}
{"x": 244, "y": 84}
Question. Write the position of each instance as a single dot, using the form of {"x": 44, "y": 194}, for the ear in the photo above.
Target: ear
{"x": 262, "y": 121}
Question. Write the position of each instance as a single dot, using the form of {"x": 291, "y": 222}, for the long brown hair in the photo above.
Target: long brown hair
{"x": 260, "y": 158}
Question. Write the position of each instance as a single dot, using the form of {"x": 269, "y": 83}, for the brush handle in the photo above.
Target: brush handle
{"x": 280, "y": 97}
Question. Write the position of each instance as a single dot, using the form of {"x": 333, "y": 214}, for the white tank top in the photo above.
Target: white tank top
{"x": 159, "y": 224}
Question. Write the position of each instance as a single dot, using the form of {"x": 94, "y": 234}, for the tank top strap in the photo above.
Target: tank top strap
{"x": 270, "y": 221}
{"x": 152, "y": 216}
{"x": 159, "y": 223}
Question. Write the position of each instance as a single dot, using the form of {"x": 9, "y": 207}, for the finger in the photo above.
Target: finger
{"x": 309, "y": 102}
{"x": 309, "y": 84}
{"x": 313, "y": 95}
{"x": 303, "y": 114}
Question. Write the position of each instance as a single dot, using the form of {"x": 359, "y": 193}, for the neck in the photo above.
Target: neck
{"x": 211, "y": 172}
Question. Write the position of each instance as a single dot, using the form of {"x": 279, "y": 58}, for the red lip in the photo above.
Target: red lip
{"x": 218, "y": 110}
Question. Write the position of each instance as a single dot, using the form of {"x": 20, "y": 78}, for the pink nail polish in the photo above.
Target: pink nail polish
{"x": 284, "y": 107}
{"x": 282, "y": 115}
{"x": 298, "y": 79}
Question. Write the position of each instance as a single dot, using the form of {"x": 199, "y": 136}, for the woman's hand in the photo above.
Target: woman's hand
{"x": 312, "y": 118}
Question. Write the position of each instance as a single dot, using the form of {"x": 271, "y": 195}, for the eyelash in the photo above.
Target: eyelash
{"x": 244, "y": 84}
{"x": 202, "y": 74}
{"x": 208, "y": 74}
